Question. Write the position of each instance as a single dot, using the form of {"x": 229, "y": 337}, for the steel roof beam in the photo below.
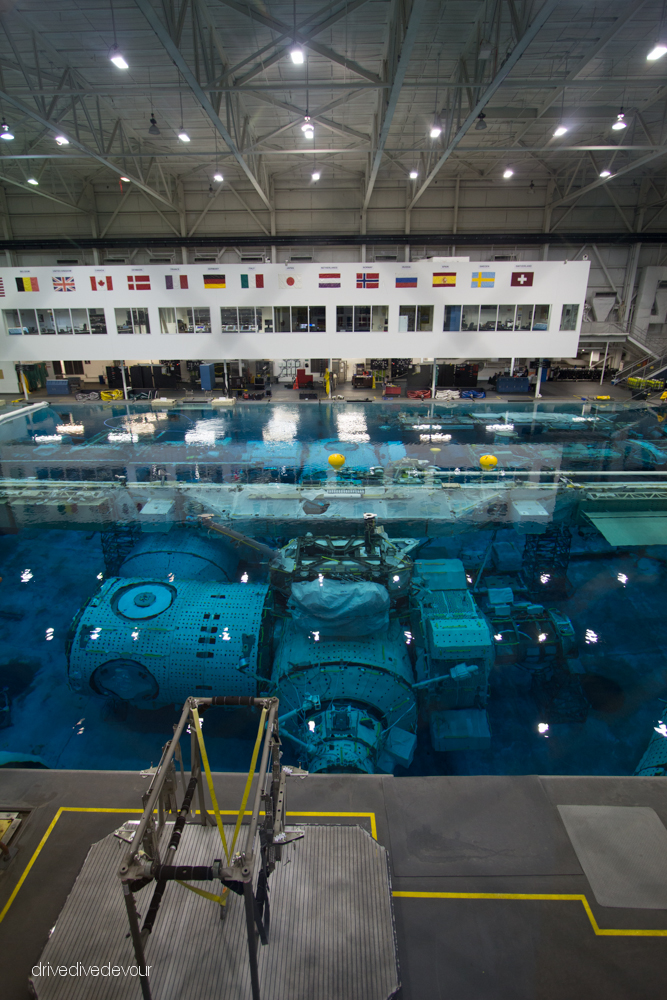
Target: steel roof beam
{"x": 174, "y": 52}
{"x": 532, "y": 31}
{"x": 409, "y": 39}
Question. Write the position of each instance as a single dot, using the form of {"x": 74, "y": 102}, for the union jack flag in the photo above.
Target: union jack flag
{"x": 64, "y": 285}
{"x": 371, "y": 279}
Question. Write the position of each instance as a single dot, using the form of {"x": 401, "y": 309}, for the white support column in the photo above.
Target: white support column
{"x": 122, "y": 375}
{"x": 538, "y": 394}
{"x": 604, "y": 363}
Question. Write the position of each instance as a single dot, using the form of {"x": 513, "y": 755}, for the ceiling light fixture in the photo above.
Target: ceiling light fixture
{"x": 315, "y": 175}
{"x": 153, "y": 130}
{"x": 126, "y": 179}
{"x": 657, "y": 53}
{"x": 5, "y": 131}
{"x": 605, "y": 173}
{"x": 306, "y": 124}
{"x": 436, "y": 131}
{"x": 561, "y": 130}
{"x": 184, "y": 137}
{"x": 620, "y": 122}
{"x": 31, "y": 180}
{"x": 296, "y": 53}
{"x": 62, "y": 140}
{"x": 117, "y": 59}
{"x": 481, "y": 124}
{"x": 414, "y": 174}
{"x": 218, "y": 177}
{"x": 508, "y": 173}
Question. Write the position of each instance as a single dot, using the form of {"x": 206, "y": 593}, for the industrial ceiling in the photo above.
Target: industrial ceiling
{"x": 493, "y": 78}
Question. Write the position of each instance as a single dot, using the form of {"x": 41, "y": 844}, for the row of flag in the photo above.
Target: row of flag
{"x": 331, "y": 279}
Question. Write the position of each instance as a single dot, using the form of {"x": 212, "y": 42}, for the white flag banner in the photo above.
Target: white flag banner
{"x": 289, "y": 281}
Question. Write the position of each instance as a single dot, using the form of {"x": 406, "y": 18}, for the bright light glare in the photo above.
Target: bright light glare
{"x": 70, "y": 428}
{"x": 661, "y": 728}
{"x": 126, "y": 179}
{"x": 316, "y": 175}
{"x": 657, "y": 53}
{"x": 225, "y": 634}
{"x": 316, "y": 636}
{"x": 435, "y": 437}
{"x": 542, "y": 637}
{"x": 308, "y": 134}
{"x": 435, "y": 132}
{"x": 201, "y": 433}
{"x": 118, "y": 438}
{"x": 499, "y": 428}
{"x": 62, "y": 140}
{"x": 47, "y": 439}
{"x": 619, "y": 123}
{"x": 311, "y": 725}
{"x": 282, "y": 427}
{"x": 622, "y": 578}
{"x": 508, "y": 173}
{"x": 33, "y": 181}
{"x": 591, "y": 636}
{"x": 396, "y": 579}
{"x": 426, "y": 427}
{"x": 218, "y": 177}
{"x": 184, "y": 137}
{"x": 605, "y": 173}
{"x": 352, "y": 426}
{"x": 5, "y": 132}
{"x": 414, "y": 174}
{"x": 543, "y": 727}
{"x": 49, "y": 634}
{"x": 545, "y": 577}
{"x": 118, "y": 61}
{"x": 498, "y": 637}
{"x": 297, "y": 55}
{"x": 135, "y": 634}
{"x": 561, "y": 130}
{"x": 244, "y": 578}
{"x": 100, "y": 576}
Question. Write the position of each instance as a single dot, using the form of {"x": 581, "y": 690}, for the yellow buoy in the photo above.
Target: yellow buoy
{"x": 488, "y": 461}
{"x": 337, "y": 461}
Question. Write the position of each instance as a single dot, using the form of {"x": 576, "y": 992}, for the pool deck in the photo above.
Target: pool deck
{"x": 532, "y": 929}
{"x": 552, "y": 392}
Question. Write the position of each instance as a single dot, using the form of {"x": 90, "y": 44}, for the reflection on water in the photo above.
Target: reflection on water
{"x": 562, "y": 549}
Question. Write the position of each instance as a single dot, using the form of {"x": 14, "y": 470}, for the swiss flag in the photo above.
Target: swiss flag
{"x": 523, "y": 279}
{"x": 101, "y": 284}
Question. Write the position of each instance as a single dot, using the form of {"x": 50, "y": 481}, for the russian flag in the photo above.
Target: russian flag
{"x": 406, "y": 282}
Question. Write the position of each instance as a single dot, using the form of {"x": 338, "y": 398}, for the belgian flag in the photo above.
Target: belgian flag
{"x": 27, "y": 285}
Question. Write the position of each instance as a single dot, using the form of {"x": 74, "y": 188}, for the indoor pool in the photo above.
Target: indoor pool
{"x": 430, "y": 589}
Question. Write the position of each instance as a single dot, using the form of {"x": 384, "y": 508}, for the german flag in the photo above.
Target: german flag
{"x": 214, "y": 281}
{"x": 441, "y": 278}
{"x": 27, "y": 285}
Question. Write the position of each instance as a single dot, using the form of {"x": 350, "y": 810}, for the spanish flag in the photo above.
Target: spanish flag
{"x": 441, "y": 278}
{"x": 214, "y": 281}
{"x": 27, "y": 285}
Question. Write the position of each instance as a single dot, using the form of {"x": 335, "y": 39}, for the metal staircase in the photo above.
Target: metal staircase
{"x": 644, "y": 368}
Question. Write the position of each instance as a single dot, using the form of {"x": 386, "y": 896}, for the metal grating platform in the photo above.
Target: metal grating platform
{"x": 332, "y": 930}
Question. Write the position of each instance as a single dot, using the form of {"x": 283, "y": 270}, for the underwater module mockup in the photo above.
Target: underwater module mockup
{"x": 354, "y": 635}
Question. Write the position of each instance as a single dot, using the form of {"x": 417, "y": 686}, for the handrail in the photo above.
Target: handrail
{"x": 645, "y": 366}
{"x": 23, "y": 410}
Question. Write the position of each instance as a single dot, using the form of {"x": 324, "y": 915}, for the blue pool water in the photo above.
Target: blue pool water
{"x": 76, "y": 505}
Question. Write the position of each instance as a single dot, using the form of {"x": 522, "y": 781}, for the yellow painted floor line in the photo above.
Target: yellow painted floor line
{"x": 551, "y": 897}
{"x": 224, "y": 812}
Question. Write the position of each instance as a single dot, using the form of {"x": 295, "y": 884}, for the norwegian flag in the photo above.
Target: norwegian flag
{"x": 368, "y": 280}
{"x": 64, "y": 285}
{"x": 2, "y": 288}
{"x": 101, "y": 284}
{"x": 139, "y": 282}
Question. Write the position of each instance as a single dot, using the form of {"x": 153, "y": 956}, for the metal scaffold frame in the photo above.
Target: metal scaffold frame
{"x": 244, "y": 871}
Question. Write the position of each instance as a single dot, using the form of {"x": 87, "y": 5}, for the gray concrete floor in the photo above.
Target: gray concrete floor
{"x": 551, "y": 392}
{"x": 449, "y": 835}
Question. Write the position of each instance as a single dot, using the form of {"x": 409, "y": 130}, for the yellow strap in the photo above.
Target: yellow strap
{"x": 209, "y": 780}
{"x": 251, "y": 774}
{"x": 221, "y": 899}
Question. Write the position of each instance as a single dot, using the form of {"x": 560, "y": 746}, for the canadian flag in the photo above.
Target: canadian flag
{"x": 101, "y": 284}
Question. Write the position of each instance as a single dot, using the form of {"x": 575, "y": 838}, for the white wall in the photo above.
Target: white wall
{"x": 554, "y": 283}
